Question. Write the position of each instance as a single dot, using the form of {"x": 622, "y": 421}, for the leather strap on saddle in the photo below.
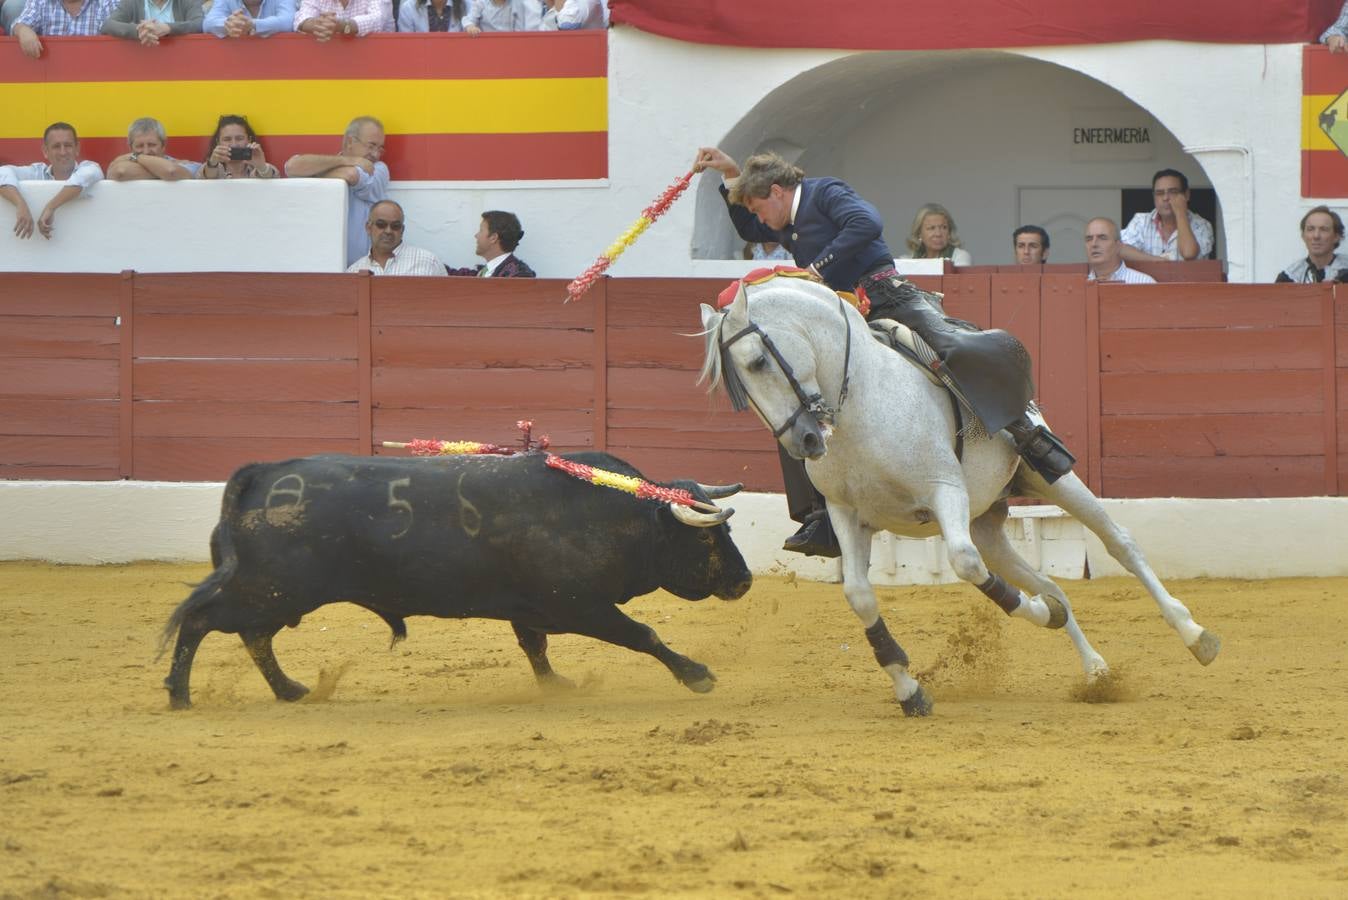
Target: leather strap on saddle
{"x": 991, "y": 370}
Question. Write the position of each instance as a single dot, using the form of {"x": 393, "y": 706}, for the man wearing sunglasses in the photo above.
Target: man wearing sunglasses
{"x": 388, "y": 254}
{"x": 358, "y": 164}
{"x": 1171, "y": 230}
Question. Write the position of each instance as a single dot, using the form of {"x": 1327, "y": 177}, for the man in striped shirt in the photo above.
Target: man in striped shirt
{"x": 1104, "y": 255}
{"x": 1171, "y": 230}
{"x": 56, "y": 18}
{"x": 388, "y": 254}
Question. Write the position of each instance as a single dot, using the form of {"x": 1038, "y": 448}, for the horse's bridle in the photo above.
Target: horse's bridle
{"x": 809, "y": 403}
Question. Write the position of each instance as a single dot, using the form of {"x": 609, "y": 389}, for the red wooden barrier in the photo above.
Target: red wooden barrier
{"x": 1194, "y": 390}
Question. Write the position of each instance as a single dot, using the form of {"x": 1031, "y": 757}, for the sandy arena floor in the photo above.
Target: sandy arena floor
{"x": 438, "y": 769}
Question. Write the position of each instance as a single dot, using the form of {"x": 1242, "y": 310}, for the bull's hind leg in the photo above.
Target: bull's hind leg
{"x": 534, "y": 643}
{"x": 989, "y": 535}
{"x": 855, "y": 541}
{"x": 1073, "y": 496}
{"x": 610, "y": 624}
{"x": 178, "y": 682}
{"x": 258, "y": 643}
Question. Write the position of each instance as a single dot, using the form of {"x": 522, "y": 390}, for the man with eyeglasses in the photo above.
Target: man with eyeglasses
{"x": 358, "y": 164}
{"x": 388, "y": 254}
{"x": 1171, "y": 230}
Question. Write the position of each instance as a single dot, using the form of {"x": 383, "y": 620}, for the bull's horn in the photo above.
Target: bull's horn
{"x": 699, "y": 519}
{"x": 720, "y": 491}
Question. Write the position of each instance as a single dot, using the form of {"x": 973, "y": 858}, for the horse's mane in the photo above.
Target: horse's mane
{"x": 711, "y": 360}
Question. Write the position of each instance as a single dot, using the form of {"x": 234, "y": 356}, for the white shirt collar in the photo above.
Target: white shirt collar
{"x": 493, "y": 263}
{"x": 795, "y": 205}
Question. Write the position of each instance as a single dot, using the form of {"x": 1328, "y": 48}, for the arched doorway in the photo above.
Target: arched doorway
{"x": 998, "y": 138}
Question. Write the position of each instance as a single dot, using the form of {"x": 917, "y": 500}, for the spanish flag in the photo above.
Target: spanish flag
{"x": 1324, "y": 123}
{"x": 513, "y": 106}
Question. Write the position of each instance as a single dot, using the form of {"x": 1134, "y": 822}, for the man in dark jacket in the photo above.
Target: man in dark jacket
{"x": 838, "y": 236}
{"x": 496, "y": 239}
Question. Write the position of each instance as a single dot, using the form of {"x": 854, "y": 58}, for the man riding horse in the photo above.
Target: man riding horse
{"x": 837, "y": 236}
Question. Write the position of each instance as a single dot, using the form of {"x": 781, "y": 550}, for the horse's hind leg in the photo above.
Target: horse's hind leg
{"x": 258, "y": 643}
{"x": 1077, "y": 500}
{"x": 855, "y": 541}
{"x": 989, "y": 535}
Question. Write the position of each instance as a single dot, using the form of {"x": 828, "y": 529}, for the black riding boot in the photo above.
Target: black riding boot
{"x": 1041, "y": 449}
{"x": 815, "y": 537}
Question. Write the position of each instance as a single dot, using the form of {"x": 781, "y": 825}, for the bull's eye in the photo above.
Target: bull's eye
{"x": 759, "y": 364}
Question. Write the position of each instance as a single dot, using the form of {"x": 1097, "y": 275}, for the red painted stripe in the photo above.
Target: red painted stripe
{"x": 1323, "y": 72}
{"x": 410, "y": 157}
{"x": 577, "y": 54}
{"x": 1324, "y": 173}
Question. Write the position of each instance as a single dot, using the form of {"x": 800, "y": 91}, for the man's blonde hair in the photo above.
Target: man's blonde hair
{"x": 760, "y": 172}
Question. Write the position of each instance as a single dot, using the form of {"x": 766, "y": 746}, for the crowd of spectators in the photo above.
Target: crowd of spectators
{"x": 148, "y": 21}
{"x": 375, "y": 224}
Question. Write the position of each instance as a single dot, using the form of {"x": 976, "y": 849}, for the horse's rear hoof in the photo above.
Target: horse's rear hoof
{"x": 919, "y": 704}
{"x": 1206, "y": 648}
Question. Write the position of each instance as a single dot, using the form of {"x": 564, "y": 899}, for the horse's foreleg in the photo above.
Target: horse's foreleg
{"x": 1077, "y": 500}
{"x": 855, "y": 541}
{"x": 989, "y": 535}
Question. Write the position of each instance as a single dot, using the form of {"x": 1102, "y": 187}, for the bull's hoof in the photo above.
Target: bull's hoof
{"x": 1057, "y": 612}
{"x": 179, "y": 702}
{"x": 291, "y": 691}
{"x": 919, "y": 704}
{"x": 1206, "y": 648}
{"x": 554, "y": 683}
{"x": 702, "y": 685}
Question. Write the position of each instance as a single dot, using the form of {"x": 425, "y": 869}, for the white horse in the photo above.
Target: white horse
{"x": 879, "y": 441}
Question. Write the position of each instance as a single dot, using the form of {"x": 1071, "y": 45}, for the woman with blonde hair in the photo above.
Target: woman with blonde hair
{"x": 934, "y": 236}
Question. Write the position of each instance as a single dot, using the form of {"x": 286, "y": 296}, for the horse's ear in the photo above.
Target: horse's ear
{"x": 737, "y": 311}
{"x": 708, "y": 314}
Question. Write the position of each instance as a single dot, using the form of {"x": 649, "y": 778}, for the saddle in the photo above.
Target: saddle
{"x": 990, "y": 372}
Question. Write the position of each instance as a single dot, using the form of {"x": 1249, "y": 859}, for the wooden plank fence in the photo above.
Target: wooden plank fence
{"x": 1177, "y": 389}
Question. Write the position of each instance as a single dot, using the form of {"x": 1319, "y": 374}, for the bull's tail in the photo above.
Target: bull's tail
{"x": 222, "y": 555}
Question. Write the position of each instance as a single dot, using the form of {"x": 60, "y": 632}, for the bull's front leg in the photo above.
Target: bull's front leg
{"x": 610, "y": 624}
{"x": 534, "y": 643}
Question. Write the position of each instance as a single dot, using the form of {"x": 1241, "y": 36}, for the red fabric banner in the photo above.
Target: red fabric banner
{"x": 962, "y": 24}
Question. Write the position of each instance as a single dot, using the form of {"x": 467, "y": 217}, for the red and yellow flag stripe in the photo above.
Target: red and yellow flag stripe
{"x": 498, "y": 106}
{"x": 1324, "y": 123}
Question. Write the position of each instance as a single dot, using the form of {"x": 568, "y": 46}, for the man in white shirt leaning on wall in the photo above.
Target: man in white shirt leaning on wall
{"x": 61, "y": 149}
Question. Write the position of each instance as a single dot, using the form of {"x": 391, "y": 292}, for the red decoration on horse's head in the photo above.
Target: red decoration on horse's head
{"x": 758, "y": 276}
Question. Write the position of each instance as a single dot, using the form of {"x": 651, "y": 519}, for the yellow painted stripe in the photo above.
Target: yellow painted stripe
{"x": 1313, "y": 137}
{"x": 475, "y": 106}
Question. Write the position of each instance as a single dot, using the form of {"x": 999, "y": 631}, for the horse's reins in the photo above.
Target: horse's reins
{"x": 812, "y": 403}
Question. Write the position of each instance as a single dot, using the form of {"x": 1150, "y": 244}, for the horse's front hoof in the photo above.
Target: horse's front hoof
{"x": 1206, "y": 648}
{"x": 919, "y": 704}
{"x": 1057, "y": 612}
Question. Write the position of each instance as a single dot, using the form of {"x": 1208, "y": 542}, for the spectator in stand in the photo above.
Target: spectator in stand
{"x": 770, "y": 251}
{"x": 56, "y": 18}
{"x": 1104, "y": 255}
{"x": 1336, "y": 35}
{"x": 1322, "y": 232}
{"x": 1171, "y": 230}
{"x": 934, "y": 236}
{"x": 503, "y": 15}
{"x": 61, "y": 150}
{"x": 148, "y": 159}
{"x": 497, "y": 237}
{"x": 249, "y": 18}
{"x": 148, "y": 21}
{"x": 388, "y": 254}
{"x": 570, "y": 15}
{"x": 327, "y": 19}
{"x": 1031, "y": 245}
{"x": 423, "y": 16}
{"x": 235, "y": 152}
{"x": 358, "y": 165}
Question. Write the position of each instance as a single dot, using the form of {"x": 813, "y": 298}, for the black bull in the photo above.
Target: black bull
{"x": 456, "y": 537}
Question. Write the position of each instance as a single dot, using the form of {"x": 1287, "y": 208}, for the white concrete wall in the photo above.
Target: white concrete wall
{"x": 120, "y": 521}
{"x": 276, "y": 225}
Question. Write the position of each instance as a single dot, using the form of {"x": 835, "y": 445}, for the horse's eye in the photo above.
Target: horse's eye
{"x": 758, "y": 364}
